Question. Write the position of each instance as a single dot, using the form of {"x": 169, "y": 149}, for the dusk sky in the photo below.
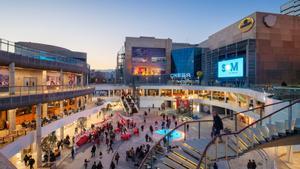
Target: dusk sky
{"x": 100, "y": 27}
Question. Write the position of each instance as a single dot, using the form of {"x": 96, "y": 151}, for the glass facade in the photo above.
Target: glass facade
{"x": 186, "y": 61}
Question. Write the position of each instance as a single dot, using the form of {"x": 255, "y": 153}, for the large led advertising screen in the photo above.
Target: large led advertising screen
{"x": 148, "y": 61}
{"x": 231, "y": 68}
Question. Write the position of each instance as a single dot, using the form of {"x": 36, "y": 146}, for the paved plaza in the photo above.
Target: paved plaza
{"x": 84, "y": 152}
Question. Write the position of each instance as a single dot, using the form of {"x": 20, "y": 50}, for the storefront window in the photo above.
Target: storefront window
{"x": 166, "y": 92}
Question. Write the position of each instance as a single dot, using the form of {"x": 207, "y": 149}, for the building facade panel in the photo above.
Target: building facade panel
{"x": 146, "y": 61}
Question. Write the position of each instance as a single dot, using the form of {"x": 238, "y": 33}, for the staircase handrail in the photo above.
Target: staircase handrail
{"x": 243, "y": 129}
{"x": 201, "y": 121}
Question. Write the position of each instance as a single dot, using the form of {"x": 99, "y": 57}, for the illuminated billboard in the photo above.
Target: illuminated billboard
{"x": 231, "y": 68}
{"x": 148, "y": 61}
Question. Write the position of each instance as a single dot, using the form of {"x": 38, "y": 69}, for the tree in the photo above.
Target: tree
{"x": 82, "y": 123}
{"x": 199, "y": 76}
{"x": 49, "y": 143}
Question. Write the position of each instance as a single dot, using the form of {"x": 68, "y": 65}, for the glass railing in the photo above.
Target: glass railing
{"x": 41, "y": 89}
{"x": 9, "y": 136}
{"x": 11, "y": 47}
{"x": 279, "y": 124}
{"x": 197, "y": 129}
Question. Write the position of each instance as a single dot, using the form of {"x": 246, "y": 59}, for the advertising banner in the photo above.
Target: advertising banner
{"x": 231, "y": 68}
{"x": 53, "y": 79}
{"x": 4, "y": 78}
{"x": 148, "y": 61}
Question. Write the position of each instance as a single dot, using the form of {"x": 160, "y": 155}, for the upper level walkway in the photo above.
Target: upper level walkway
{"x": 19, "y": 96}
{"x": 37, "y": 59}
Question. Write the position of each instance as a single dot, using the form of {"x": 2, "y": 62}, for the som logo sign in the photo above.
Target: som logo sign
{"x": 231, "y": 68}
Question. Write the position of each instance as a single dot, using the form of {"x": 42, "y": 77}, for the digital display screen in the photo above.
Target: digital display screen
{"x": 148, "y": 61}
{"x": 231, "y": 68}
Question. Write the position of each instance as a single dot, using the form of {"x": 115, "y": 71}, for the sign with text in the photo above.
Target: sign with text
{"x": 180, "y": 75}
{"x": 231, "y": 68}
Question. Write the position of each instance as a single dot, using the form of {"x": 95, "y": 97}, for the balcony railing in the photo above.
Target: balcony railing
{"x": 15, "y": 91}
{"x": 11, "y": 47}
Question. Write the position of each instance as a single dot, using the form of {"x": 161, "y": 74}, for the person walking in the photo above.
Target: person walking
{"x": 249, "y": 164}
{"x": 217, "y": 125}
{"x": 26, "y": 158}
{"x": 93, "y": 151}
{"x": 110, "y": 148}
{"x": 73, "y": 153}
{"x": 146, "y": 137}
{"x": 142, "y": 128}
{"x": 100, "y": 155}
{"x": 187, "y": 127}
{"x": 151, "y": 129}
{"x": 112, "y": 165}
{"x": 117, "y": 157}
{"x": 99, "y": 166}
{"x": 253, "y": 164}
{"x": 85, "y": 163}
{"x": 31, "y": 162}
{"x": 94, "y": 166}
{"x": 215, "y": 166}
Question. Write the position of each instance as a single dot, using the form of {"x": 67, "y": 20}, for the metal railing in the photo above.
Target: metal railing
{"x": 14, "y": 134}
{"x": 14, "y": 91}
{"x": 198, "y": 124}
{"x": 260, "y": 122}
{"x": 12, "y": 47}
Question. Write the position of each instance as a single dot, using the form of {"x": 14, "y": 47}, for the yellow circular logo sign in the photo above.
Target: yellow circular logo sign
{"x": 246, "y": 24}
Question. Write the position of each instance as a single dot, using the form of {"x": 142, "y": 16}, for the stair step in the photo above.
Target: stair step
{"x": 172, "y": 163}
{"x": 244, "y": 140}
{"x": 198, "y": 144}
{"x": 249, "y": 135}
{"x": 258, "y": 135}
{"x": 232, "y": 144}
{"x": 188, "y": 156}
{"x": 221, "y": 153}
{"x": 272, "y": 130}
{"x": 182, "y": 160}
{"x": 190, "y": 150}
{"x": 265, "y": 131}
{"x": 162, "y": 166}
{"x": 280, "y": 128}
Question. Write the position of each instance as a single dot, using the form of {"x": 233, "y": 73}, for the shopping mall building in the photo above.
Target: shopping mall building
{"x": 44, "y": 88}
{"x": 41, "y": 87}
{"x": 261, "y": 48}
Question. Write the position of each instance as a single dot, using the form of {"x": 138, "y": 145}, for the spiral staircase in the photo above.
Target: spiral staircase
{"x": 280, "y": 128}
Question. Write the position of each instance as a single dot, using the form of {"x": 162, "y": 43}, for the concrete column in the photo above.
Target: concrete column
{"x": 81, "y": 82}
{"x": 62, "y": 132}
{"x": 61, "y": 107}
{"x": 12, "y": 82}
{"x": 61, "y": 79}
{"x": 45, "y": 110}
{"x": 38, "y": 135}
{"x": 226, "y": 113}
{"x": 211, "y": 95}
{"x": 210, "y": 108}
{"x": 225, "y": 96}
{"x": 44, "y": 80}
{"x": 11, "y": 118}
{"x": 61, "y": 111}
